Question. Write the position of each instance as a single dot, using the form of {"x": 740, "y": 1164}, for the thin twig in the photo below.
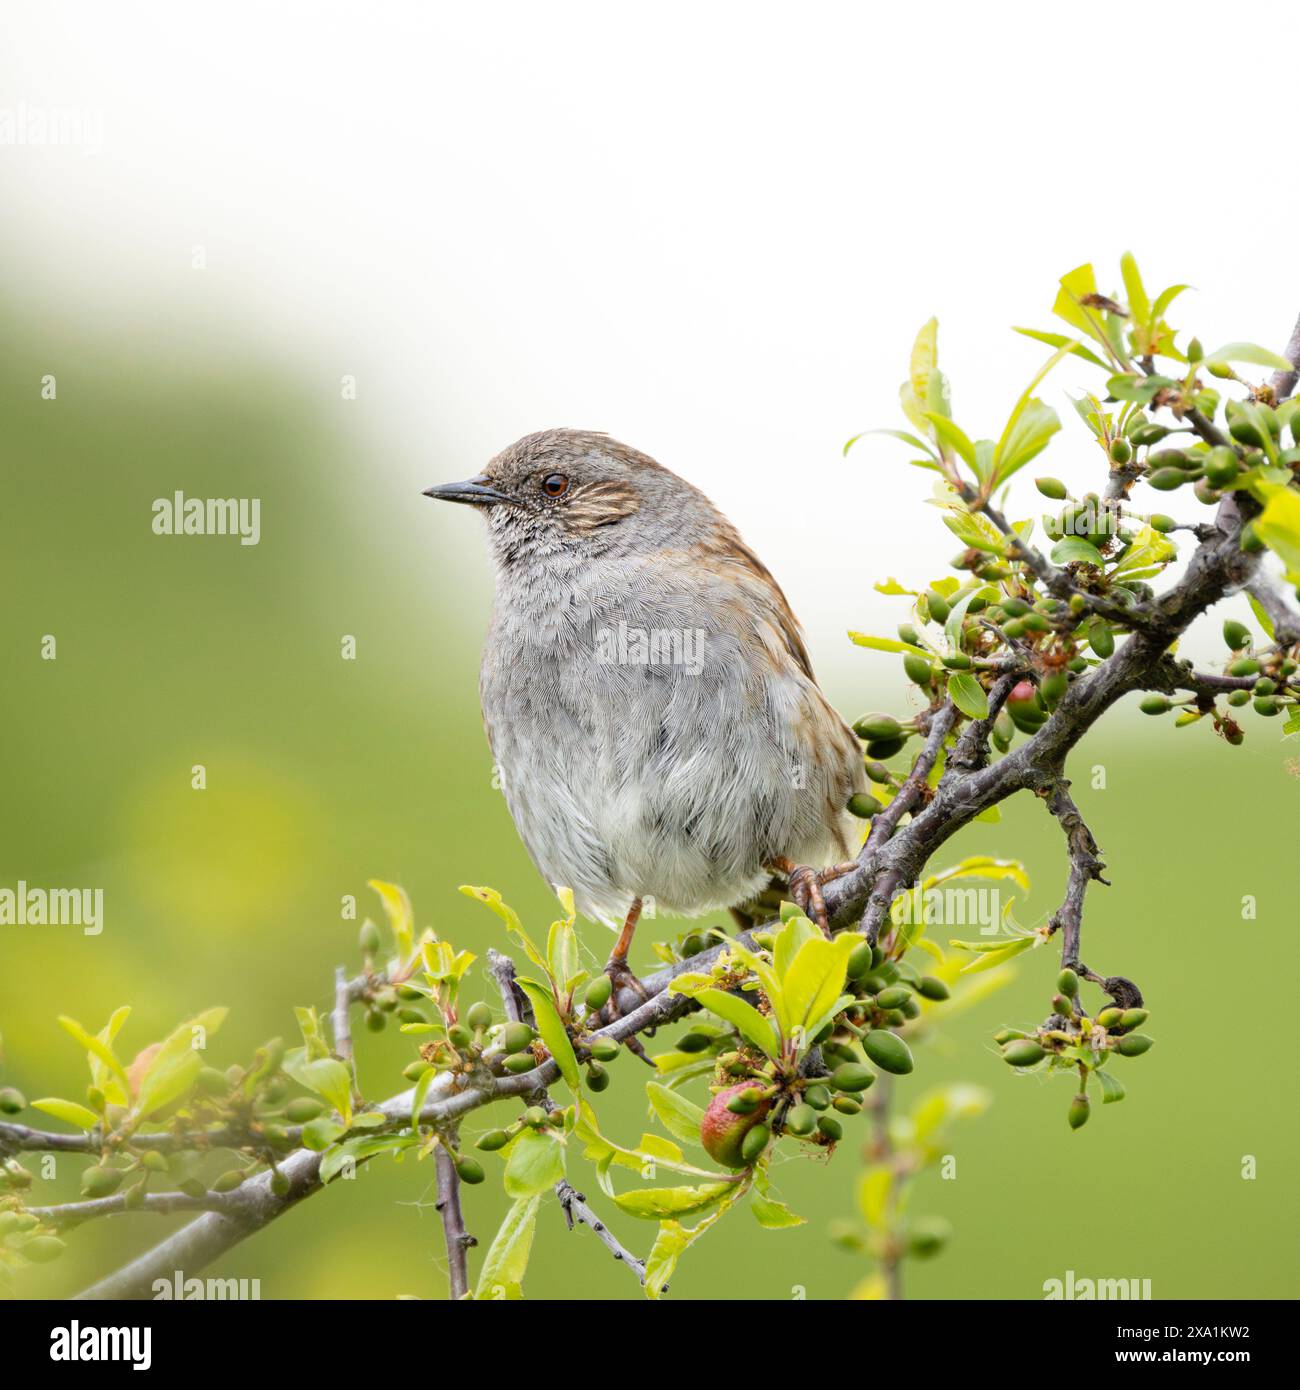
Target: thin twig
{"x": 459, "y": 1241}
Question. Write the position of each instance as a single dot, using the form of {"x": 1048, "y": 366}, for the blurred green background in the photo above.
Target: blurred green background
{"x": 322, "y": 773}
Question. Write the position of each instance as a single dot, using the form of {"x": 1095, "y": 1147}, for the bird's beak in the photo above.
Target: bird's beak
{"x": 479, "y": 492}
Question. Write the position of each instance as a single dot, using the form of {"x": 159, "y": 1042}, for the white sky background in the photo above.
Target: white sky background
{"x": 710, "y": 229}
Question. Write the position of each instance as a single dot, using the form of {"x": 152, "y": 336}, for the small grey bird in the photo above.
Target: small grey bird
{"x": 647, "y": 694}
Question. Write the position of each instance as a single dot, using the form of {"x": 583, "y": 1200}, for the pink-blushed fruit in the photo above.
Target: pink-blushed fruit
{"x": 722, "y": 1131}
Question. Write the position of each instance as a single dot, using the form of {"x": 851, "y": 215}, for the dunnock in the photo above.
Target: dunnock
{"x": 647, "y": 693}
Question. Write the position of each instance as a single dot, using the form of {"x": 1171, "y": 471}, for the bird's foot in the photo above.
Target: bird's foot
{"x": 806, "y": 886}
{"x": 626, "y": 995}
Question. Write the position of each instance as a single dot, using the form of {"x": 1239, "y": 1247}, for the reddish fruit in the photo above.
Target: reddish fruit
{"x": 722, "y": 1132}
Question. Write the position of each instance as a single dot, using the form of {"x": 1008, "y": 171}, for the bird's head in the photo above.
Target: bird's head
{"x": 573, "y": 493}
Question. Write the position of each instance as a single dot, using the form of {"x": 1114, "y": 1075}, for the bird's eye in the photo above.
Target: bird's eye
{"x": 555, "y": 485}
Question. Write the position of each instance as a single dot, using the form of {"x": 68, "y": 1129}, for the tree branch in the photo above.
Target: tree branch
{"x": 1085, "y": 866}
{"x": 459, "y": 1241}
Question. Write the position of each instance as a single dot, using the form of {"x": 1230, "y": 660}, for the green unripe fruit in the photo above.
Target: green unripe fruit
{"x": 800, "y": 1120}
{"x": 888, "y": 1051}
{"x": 746, "y": 1101}
{"x": 1067, "y": 982}
{"x": 1265, "y": 685}
{"x": 1171, "y": 458}
{"x": 228, "y": 1181}
{"x": 280, "y": 1183}
{"x": 1054, "y": 687}
{"x": 724, "y": 1133}
{"x": 1015, "y": 627}
{"x": 413, "y": 1071}
{"x": 597, "y": 993}
{"x": 1245, "y": 431}
{"x": 754, "y": 1142}
{"x": 1221, "y": 466}
{"x": 860, "y": 961}
{"x": 885, "y": 748}
{"x": 877, "y": 727}
{"x": 42, "y": 1249}
{"x": 535, "y": 1116}
{"x": 1007, "y": 1035}
{"x": 1133, "y": 1044}
{"x": 878, "y": 773}
{"x": 406, "y": 1016}
{"x": 1267, "y": 705}
{"x": 907, "y": 633}
{"x": 516, "y": 1036}
{"x": 1155, "y": 704}
{"x": 1109, "y": 1018}
{"x": 301, "y": 1109}
{"x": 1162, "y": 523}
{"x": 192, "y": 1187}
{"x": 864, "y": 806}
{"x": 493, "y": 1140}
{"x": 931, "y": 987}
{"x": 597, "y": 1077}
{"x": 1053, "y": 488}
{"x": 519, "y": 1063}
{"x": 1121, "y": 451}
{"x": 213, "y": 1082}
{"x": 818, "y": 1097}
{"x": 469, "y": 1170}
{"x": 692, "y": 945}
{"x": 959, "y": 661}
{"x": 1195, "y": 351}
{"x": 852, "y": 1076}
{"x": 99, "y": 1182}
{"x": 1079, "y": 1112}
{"x": 369, "y": 938}
{"x": 604, "y": 1049}
{"x": 1236, "y": 635}
{"x": 1101, "y": 639}
{"x": 1147, "y": 433}
{"x": 277, "y": 1137}
{"x": 155, "y": 1161}
{"x": 1015, "y": 607}
{"x": 1247, "y": 666}
{"x": 1133, "y": 1018}
{"x": 918, "y": 669}
{"x": 479, "y": 1015}
{"x": 459, "y": 1036}
{"x": 12, "y": 1101}
{"x": 846, "y": 1105}
{"x": 1239, "y": 698}
{"x": 1022, "y": 1052}
{"x": 1167, "y": 479}
{"x": 831, "y": 1128}
{"x": 893, "y": 998}
{"x": 938, "y": 606}
{"x": 694, "y": 1042}
{"x": 1221, "y": 370}
{"x": 376, "y": 1022}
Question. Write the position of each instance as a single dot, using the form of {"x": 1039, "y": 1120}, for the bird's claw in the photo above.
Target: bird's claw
{"x": 806, "y": 886}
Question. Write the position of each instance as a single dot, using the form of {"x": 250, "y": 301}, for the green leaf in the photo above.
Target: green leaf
{"x": 815, "y": 979}
{"x": 1075, "y": 550}
{"x": 952, "y": 436}
{"x": 988, "y": 960}
{"x": 1076, "y": 286}
{"x": 329, "y": 1078}
{"x": 491, "y": 899}
{"x": 67, "y": 1110}
{"x": 1060, "y": 340}
{"x": 885, "y": 644}
{"x": 177, "y": 1063}
{"x": 362, "y": 1147}
{"x": 968, "y": 695}
{"x": 553, "y": 1032}
{"x": 397, "y": 908}
{"x": 670, "y": 1244}
{"x": 894, "y": 434}
{"x": 418, "y": 1095}
{"x": 1278, "y": 525}
{"x": 774, "y": 1215}
{"x": 99, "y": 1051}
{"x": 1138, "y": 302}
{"x": 657, "y": 1203}
{"x": 536, "y": 1163}
{"x": 678, "y": 1115}
{"x": 1112, "y": 1088}
{"x": 1248, "y": 352}
{"x": 752, "y": 1025}
{"x": 1030, "y": 426}
{"x": 502, "y": 1275}
{"x": 1261, "y": 615}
